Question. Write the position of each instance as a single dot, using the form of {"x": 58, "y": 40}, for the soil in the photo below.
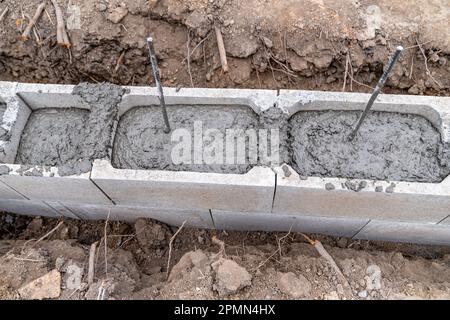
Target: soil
{"x": 250, "y": 267}
{"x": 306, "y": 44}
{"x": 388, "y": 146}
{"x": 141, "y": 143}
{"x": 298, "y": 44}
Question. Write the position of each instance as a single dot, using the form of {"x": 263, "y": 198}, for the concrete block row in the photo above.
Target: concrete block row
{"x": 261, "y": 199}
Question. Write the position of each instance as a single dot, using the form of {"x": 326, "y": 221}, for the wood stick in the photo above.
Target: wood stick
{"x": 170, "y": 248}
{"x": 4, "y": 13}
{"x": 33, "y": 21}
{"x": 323, "y": 252}
{"x": 222, "y": 53}
{"x": 91, "y": 270}
{"x": 61, "y": 34}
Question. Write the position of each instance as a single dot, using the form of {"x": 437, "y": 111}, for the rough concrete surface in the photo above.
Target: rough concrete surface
{"x": 72, "y": 138}
{"x": 141, "y": 143}
{"x": 388, "y": 146}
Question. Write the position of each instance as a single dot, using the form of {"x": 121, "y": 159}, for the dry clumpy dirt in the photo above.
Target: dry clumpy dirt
{"x": 301, "y": 44}
{"x": 249, "y": 265}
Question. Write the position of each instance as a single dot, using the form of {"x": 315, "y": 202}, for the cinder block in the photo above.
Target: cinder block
{"x": 27, "y": 207}
{"x": 8, "y": 193}
{"x": 281, "y": 222}
{"x": 76, "y": 188}
{"x": 193, "y": 218}
{"x": 434, "y": 234}
{"x": 410, "y": 202}
{"x": 252, "y": 191}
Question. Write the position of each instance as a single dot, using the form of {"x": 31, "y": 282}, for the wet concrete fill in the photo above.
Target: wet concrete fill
{"x": 140, "y": 142}
{"x": 52, "y": 137}
{"x": 72, "y": 138}
{"x": 389, "y": 146}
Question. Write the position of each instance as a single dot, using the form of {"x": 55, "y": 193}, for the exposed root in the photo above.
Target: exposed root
{"x": 170, "y": 247}
{"x": 221, "y": 245}
{"x": 189, "y": 57}
{"x": 321, "y": 250}
{"x": 61, "y": 34}
{"x": 278, "y": 251}
{"x": 48, "y": 233}
{"x": 3, "y": 14}
{"x": 105, "y": 236}
{"x": 222, "y": 53}
{"x": 26, "y": 32}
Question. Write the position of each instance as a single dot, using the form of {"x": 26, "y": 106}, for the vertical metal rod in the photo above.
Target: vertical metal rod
{"x": 377, "y": 90}
{"x": 157, "y": 78}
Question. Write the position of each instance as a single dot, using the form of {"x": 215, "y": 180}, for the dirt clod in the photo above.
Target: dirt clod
{"x": 46, "y": 287}
{"x": 293, "y": 285}
{"x": 230, "y": 277}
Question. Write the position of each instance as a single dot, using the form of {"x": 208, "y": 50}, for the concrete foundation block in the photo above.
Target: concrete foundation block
{"x": 27, "y": 207}
{"x": 193, "y": 218}
{"x": 9, "y": 193}
{"x": 410, "y": 202}
{"x": 433, "y": 234}
{"x": 246, "y": 221}
{"x": 252, "y": 191}
{"x": 50, "y": 186}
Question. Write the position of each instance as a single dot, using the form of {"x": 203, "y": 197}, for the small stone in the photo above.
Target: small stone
{"x": 4, "y": 170}
{"x": 293, "y": 286}
{"x": 342, "y": 243}
{"x": 363, "y": 294}
{"x": 329, "y": 186}
{"x": 230, "y": 277}
{"x": 101, "y": 7}
{"x": 379, "y": 189}
{"x": 59, "y": 263}
{"x": 286, "y": 171}
{"x": 390, "y": 189}
{"x": 267, "y": 42}
{"x": 116, "y": 15}
{"x": 46, "y": 287}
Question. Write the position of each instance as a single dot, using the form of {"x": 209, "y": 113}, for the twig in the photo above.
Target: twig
{"x": 199, "y": 44}
{"x": 321, "y": 250}
{"x": 417, "y": 45}
{"x": 426, "y": 64}
{"x": 91, "y": 269}
{"x": 170, "y": 247}
{"x": 106, "y": 243}
{"x": 61, "y": 34}
{"x": 222, "y": 52}
{"x": 189, "y": 57}
{"x": 49, "y": 18}
{"x": 33, "y": 21}
{"x": 119, "y": 61}
{"x": 281, "y": 239}
{"x": 4, "y": 13}
{"x": 48, "y": 233}
{"x": 346, "y": 71}
{"x": 221, "y": 245}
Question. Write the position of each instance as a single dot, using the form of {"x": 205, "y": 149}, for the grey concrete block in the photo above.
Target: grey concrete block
{"x": 446, "y": 220}
{"x": 252, "y": 191}
{"x": 411, "y": 202}
{"x": 256, "y": 221}
{"x": 434, "y": 234}
{"x": 76, "y": 188}
{"x": 27, "y": 207}
{"x": 9, "y": 193}
{"x": 193, "y": 218}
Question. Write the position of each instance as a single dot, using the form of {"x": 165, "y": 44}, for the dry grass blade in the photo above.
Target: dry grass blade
{"x": 3, "y": 14}
{"x": 170, "y": 247}
{"x": 26, "y": 32}
{"x": 425, "y": 59}
{"x": 48, "y": 233}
